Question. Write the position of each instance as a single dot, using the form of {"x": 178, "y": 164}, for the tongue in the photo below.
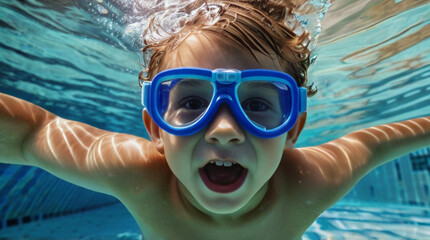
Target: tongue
{"x": 223, "y": 175}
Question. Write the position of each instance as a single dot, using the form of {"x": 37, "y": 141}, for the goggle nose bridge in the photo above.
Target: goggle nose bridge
{"x": 224, "y": 96}
{"x": 224, "y": 93}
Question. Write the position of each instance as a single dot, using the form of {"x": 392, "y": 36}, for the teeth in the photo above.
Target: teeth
{"x": 225, "y": 164}
{"x": 228, "y": 164}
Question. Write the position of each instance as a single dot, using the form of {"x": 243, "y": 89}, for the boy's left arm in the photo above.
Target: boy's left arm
{"x": 390, "y": 141}
{"x": 335, "y": 167}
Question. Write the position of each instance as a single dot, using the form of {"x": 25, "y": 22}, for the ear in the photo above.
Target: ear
{"x": 154, "y": 131}
{"x": 294, "y": 132}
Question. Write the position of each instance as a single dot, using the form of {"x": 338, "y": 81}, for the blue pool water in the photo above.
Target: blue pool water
{"x": 80, "y": 60}
{"x": 337, "y": 223}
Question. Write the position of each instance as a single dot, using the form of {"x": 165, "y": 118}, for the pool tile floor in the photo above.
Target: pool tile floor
{"x": 337, "y": 223}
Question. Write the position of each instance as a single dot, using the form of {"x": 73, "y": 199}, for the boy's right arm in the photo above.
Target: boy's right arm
{"x": 76, "y": 152}
{"x": 18, "y": 121}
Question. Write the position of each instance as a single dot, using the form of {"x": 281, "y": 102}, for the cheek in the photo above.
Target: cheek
{"x": 178, "y": 151}
{"x": 175, "y": 143}
{"x": 180, "y": 144}
{"x": 271, "y": 150}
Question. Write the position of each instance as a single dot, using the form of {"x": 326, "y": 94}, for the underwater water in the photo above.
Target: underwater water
{"x": 80, "y": 60}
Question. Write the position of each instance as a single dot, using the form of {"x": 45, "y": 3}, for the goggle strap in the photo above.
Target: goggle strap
{"x": 303, "y": 96}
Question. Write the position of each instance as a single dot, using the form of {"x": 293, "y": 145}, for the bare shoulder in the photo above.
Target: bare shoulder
{"x": 127, "y": 162}
{"x": 93, "y": 158}
{"x": 324, "y": 174}
{"x": 329, "y": 171}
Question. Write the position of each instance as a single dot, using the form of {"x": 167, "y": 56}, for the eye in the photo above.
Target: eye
{"x": 255, "y": 105}
{"x": 193, "y": 103}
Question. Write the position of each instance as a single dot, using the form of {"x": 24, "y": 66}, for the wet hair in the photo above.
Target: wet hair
{"x": 259, "y": 25}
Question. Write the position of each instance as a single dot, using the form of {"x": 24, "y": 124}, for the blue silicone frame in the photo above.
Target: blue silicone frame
{"x": 225, "y": 83}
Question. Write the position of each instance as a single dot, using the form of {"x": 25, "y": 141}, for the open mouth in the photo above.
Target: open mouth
{"x": 223, "y": 177}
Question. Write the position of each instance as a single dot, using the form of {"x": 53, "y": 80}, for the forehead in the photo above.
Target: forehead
{"x": 213, "y": 50}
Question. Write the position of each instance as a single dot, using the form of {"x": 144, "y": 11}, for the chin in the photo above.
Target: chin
{"x": 223, "y": 204}
{"x": 224, "y": 209}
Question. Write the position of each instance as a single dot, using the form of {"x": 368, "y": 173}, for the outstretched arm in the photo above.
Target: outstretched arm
{"x": 79, "y": 153}
{"x": 332, "y": 169}
{"x": 18, "y": 121}
{"x": 390, "y": 141}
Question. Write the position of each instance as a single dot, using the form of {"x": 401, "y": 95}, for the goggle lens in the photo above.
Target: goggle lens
{"x": 184, "y": 101}
{"x": 266, "y": 104}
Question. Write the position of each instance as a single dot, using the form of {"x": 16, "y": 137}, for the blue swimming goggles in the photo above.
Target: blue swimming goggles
{"x": 183, "y": 101}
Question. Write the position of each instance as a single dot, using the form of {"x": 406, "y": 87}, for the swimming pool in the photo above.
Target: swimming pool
{"x": 80, "y": 60}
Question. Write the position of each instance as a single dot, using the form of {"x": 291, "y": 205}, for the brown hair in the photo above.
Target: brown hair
{"x": 257, "y": 25}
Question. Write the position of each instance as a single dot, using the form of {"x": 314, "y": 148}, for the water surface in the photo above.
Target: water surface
{"x": 80, "y": 60}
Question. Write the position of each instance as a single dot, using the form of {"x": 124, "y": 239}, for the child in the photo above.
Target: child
{"x": 221, "y": 163}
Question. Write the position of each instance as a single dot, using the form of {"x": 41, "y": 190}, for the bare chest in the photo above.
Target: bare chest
{"x": 162, "y": 216}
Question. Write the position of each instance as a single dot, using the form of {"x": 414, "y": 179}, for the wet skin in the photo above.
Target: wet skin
{"x": 286, "y": 188}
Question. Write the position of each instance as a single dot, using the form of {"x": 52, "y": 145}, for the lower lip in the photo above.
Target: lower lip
{"x": 223, "y": 188}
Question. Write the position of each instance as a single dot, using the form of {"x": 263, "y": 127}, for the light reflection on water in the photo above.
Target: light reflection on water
{"x": 80, "y": 60}
{"x": 372, "y": 68}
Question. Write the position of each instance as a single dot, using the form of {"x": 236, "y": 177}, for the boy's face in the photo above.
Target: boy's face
{"x": 223, "y": 138}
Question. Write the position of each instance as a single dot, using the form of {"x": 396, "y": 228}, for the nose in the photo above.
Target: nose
{"x": 224, "y": 128}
